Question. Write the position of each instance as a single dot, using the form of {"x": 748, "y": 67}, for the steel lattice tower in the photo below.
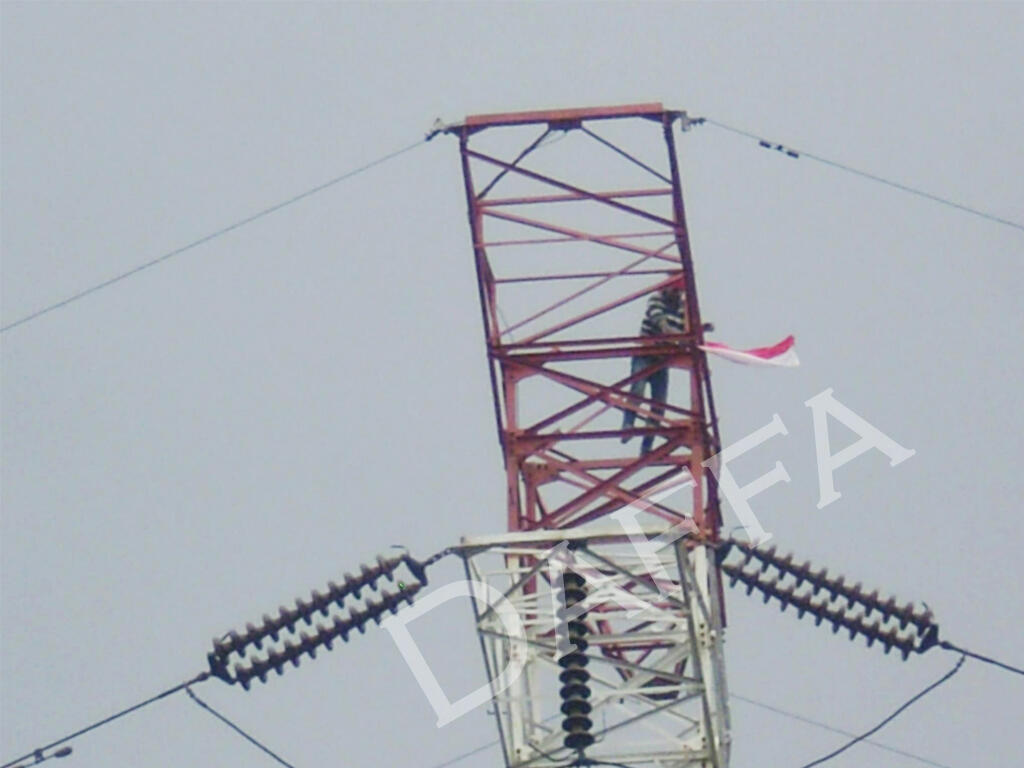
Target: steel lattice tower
{"x": 576, "y": 218}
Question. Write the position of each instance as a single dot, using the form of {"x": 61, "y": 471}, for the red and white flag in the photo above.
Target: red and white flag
{"x": 781, "y": 354}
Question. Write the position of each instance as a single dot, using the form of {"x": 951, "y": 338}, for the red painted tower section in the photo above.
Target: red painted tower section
{"x": 577, "y": 217}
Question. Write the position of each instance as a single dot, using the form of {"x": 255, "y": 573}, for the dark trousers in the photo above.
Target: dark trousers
{"x": 659, "y": 392}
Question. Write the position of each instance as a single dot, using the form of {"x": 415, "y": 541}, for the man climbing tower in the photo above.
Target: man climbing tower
{"x": 665, "y": 314}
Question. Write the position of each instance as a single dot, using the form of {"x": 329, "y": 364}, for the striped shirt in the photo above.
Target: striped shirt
{"x": 666, "y": 314}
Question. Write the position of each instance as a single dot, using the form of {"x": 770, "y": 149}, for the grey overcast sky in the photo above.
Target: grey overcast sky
{"x": 196, "y": 445}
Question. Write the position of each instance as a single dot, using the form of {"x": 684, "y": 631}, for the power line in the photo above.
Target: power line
{"x": 464, "y": 755}
{"x": 755, "y": 702}
{"x": 38, "y": 757}
{"x": 170, "y": 691}
{"x": 840, "y": 731}
{"x": 796, "y": 153}
{"x": 237, "y": 729}
{"x": 891, "y": 717}
{"x": 214, "y": 235}
{"x": 950, "y": 647}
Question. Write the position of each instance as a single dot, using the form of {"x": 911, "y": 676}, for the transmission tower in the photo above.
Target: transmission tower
{"x": 577, "y": 219}
{"x": 604, "y": 646}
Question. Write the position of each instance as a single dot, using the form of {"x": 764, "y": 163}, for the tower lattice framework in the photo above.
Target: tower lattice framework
{"x": 577, "y": 218}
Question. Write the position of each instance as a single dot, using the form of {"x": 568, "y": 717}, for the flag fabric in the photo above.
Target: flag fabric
{"x": 782, "y": 354}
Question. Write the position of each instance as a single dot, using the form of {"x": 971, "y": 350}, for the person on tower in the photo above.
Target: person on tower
{"x": 665, "y": 314}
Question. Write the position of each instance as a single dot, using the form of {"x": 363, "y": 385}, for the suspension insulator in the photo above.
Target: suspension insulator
{"x": 575, "y": 691}
{"x": 842, "y": 606}
{"x": 359, "y": 619}
{"x": 321, "y": 602}
{"x": 352, "y": 586}
{"x": 335, "y": 594}
{"x": 888, "y": 607}
{"x": 870, "y": 600}
{"x": 416, "y": 568}
{"x": 905, "y": 615}
{"x": 750, "y": 579}
{"x": 369, "y": 575}
{"x": 817, "y": 580}
{"x": 854, "y": 596}
{"x": 286, "y": 618}
{"x": 291, "y": 653}
{"x": 923, "y": 621}
{"x": 785, "y": 597}
{"x": 835, "y": 586}
{"x": 270, "y": 628}
{"x": 305, "y": 612}
{"x": 801, "y": 572}
{"x": 308, "y": 643}
{"x": 244, "y": 675}
{"x": 871, "y": 632}
{"x": 802, "y": 604}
